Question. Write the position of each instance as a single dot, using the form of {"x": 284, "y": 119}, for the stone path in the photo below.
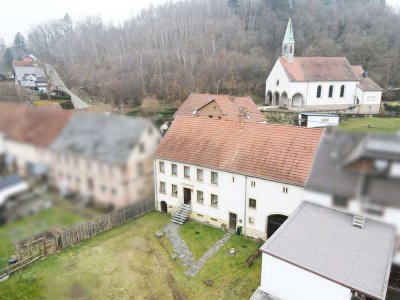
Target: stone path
{"x": 183, "y": 252}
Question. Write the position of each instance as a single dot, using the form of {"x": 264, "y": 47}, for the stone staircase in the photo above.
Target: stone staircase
{"x": 182, "y": 213}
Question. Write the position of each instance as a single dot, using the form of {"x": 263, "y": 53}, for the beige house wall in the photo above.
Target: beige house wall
{"x": 211, "y": 110}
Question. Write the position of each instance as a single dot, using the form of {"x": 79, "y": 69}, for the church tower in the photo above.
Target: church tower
{"x": 288, "y": 43}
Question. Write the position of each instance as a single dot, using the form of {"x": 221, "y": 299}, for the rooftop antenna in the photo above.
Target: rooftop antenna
{"x": 219, "y": 81}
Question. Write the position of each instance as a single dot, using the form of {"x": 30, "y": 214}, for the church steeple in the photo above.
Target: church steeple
{"x": 288, "y": 42}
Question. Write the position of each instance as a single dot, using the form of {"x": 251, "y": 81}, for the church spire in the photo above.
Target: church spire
{"x": 288, "y": 42}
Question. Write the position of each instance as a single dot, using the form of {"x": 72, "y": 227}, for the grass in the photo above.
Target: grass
{"x": 194, "y": 232}
{"x": 371, "y": 125}
{"x": 130, "y": 263}
{"x": 31, "y": 225}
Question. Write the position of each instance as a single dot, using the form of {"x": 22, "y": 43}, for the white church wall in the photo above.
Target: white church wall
{"x": 348, "y": 98}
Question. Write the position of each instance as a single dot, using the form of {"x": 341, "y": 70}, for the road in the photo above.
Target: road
{"x": 56, "y": 80}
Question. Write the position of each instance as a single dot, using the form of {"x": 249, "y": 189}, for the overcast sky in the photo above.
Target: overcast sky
{"x": 18, "y": 15}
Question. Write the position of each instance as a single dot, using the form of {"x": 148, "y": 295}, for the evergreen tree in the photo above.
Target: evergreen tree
{"x": 20, "y": 44}
{"x": 8, "y": 59}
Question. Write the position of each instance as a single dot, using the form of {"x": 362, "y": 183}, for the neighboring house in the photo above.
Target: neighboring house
{"x": 27, "y": 132}
{"x": 234, "y": 174}
{"x": 359, "y": 173}
{"x": 220, "y": 107}
{"x": 319, "y": 83}
{"x": 30, "y": 74}
{"x": 105, "y": 158}
{"x": 322, "y": 253}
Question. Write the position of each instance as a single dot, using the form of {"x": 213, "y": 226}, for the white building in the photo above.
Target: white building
{"x": 321, "y": 253}
{"x": 234, "y": 173}
{"x": 359, "y": 173}
{"x": 319, "y": 83}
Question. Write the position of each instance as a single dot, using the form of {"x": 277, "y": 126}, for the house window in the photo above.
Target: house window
{"x": 330, "y": 95}
{"x": 186, "y": 172}
{"x": 200, "y": 197}
{"x": 340, "y": 201}
{"x": 214, "y": 177}
{"x": 103, "y": 188}
{"x": 342, "y": 91}
{"x": 200, "y": 174}
{"x": 214, "y": 200}
{"x": 161, "y": 166}
{"x": 140, "y": 168}
{"x": 285, "y": 190}
{"x": 174, "y": 169}
{"x": 251, "y": 220}
{"x": 210, "y": 116}
{"x": 233, "y": 178}
{"x": 162, "y": 187}
{"x": 141, "y": 147}
{"x": 319, "y": 91}
{"x": 174, "y": 190}
{"x": 113, "y": 191}
{"x": 253, "y": 183}
{"x": 252, "y": 203}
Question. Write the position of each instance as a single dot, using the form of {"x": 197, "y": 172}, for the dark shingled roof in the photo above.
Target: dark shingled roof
{"x": 280, "y": 153}
{"x": 338, "y": 149}
{"x": 319, "y": 69}
{"x": 105, "y": 138}
{"x": 324, "y": 241}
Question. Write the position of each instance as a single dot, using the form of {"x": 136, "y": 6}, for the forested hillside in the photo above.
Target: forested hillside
{"x": 201, "y": 45}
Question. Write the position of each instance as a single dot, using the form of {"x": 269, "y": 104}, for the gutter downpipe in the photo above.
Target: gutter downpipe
{"x": 155, "y": 184}
{"x": 245, "y": 205}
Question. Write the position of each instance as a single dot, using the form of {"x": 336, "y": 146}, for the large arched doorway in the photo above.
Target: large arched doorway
{"x": 276, "y": 99}
{"x": 284, "y": 99}
{"x": 164, "y": 207}
{"x": 297, "y": 100}
{"x": 273, "y": 223}
{"x": 269, "y": 98}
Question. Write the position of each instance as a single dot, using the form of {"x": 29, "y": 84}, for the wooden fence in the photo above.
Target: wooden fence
{"x": 47, "y": 243}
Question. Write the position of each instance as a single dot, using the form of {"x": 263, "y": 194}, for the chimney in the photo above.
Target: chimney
{"x": 365, "y": 74}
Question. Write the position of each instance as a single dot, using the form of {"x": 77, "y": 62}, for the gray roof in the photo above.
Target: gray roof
{"x": 323, "y": 241}
{"x": 340, "y": 148}
{"x": 106, "y": 138}
{"x": 20, "y": 72}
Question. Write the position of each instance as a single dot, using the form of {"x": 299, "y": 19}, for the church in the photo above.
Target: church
{"x": 319, "y": 83}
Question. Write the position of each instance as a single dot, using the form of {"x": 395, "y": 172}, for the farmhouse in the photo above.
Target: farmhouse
{"x": 319, "y": 83}
{"x": 29, "y": 73}
{"x": 322, "y": 253}
{"x": 232, "y": 174}
{"x": 220, "y": 106}
{"x": 25, "y": 136}
{"x": 359, "y": 173}
{"x": 105, "y": 158}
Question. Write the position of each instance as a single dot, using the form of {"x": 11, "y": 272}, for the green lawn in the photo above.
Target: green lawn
{"x": 192, "y": 232}
{"x": 129, "y": 262}
{"x": 31, "y": 225}
{"x": 376, "y": 125}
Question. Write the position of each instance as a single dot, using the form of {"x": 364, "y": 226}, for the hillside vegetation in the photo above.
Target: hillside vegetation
{"x": 230, "y": 45}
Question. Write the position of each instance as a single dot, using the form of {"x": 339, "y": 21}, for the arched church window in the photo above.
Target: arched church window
{"x": 342, "y": 91}
{"x": 291, "y": 49}
{"x": 319, "y": 91}
{"x": 330, "y": 91}
{"x": 277, "y": 82}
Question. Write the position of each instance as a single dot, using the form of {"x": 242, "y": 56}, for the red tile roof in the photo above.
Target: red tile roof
{"x": 21, "y": 63}
{"x": 280, "y": 153}
{"x": 228, "y": 104}
{"x": 319, "y": 69}
{"x": 365, "y": 84}
{"x": 29, "y": 125}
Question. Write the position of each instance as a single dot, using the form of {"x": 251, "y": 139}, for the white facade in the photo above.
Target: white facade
{"x": 314, "y": 121}
{"x": 289, "y": 282}
{"x": 234, "y": 192}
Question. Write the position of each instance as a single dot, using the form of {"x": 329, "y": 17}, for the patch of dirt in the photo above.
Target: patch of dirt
{"x": 70, "y": 267}
{"x": 78, "y": 292}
